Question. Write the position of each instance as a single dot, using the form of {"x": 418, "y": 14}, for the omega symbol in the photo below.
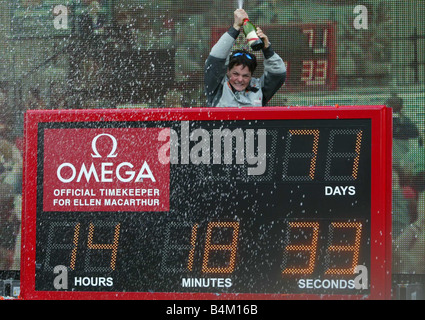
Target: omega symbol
{"x": 112, "y": 154}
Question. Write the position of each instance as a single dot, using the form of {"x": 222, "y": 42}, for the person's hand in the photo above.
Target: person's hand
{"x": 239, "y": 15}
{"x": 263, "y": 37}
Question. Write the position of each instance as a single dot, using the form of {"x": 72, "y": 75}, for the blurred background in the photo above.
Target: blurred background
{"x": 79, "y": 54}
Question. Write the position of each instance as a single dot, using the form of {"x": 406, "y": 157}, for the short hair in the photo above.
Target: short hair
{"x": 244, "y": 58}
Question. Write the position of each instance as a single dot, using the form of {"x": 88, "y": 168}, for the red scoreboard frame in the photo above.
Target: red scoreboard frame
{"x": 380, "y": 186}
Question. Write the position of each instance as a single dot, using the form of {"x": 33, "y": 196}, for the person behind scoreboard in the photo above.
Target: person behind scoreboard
{"x": 409, "y": 246}
{"x": 229, "y": 81}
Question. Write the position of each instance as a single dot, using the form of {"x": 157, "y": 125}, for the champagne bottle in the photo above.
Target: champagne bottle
{"x": 251, "y": 36}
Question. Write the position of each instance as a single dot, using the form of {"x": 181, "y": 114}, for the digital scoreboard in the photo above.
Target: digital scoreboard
{"x": 243, "y": 203}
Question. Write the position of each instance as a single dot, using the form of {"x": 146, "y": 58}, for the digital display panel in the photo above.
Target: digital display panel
{"x": 208, "y": 206}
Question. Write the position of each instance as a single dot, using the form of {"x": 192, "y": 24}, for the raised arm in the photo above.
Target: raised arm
{"x": 215, "y": 65}
{"x": 274, "y": 75}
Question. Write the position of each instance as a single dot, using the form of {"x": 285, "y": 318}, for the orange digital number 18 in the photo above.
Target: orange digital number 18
{"x": 231, "y": 247}
{"x": 211, "y": 247}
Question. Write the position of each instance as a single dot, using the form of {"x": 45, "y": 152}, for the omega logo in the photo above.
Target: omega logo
{"x": 104, "y": 171}
{"x": 112, "y": 154}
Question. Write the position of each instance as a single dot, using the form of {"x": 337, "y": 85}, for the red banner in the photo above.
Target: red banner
{"x": 105, "y": 170}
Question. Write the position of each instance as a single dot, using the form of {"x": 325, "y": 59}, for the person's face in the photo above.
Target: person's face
{"x": 239, "y": 77}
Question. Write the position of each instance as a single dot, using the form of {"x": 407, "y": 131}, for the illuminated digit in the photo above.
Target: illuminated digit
{"x": 209, "y": 247}
{"x": 321, "y": 72}
{"x": 310, "y": 248}
{"x": 62, "y": 243}
{"x": 314, "y": 72}
{"x": 332, "y": 155}
{"x": 103, "y": 246}
{"x": 75, "y": 242}
{"x": 325, "y": 38}
{"x": 354, "y": 248}
{"x": 310, "y": 36}
{"x": 176, "y": 247}
{"x": 357, "y": 158}
{"x": 307, "y": 71}
{"x": 299, "y": 155}
{"x": 192, "y": 250}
